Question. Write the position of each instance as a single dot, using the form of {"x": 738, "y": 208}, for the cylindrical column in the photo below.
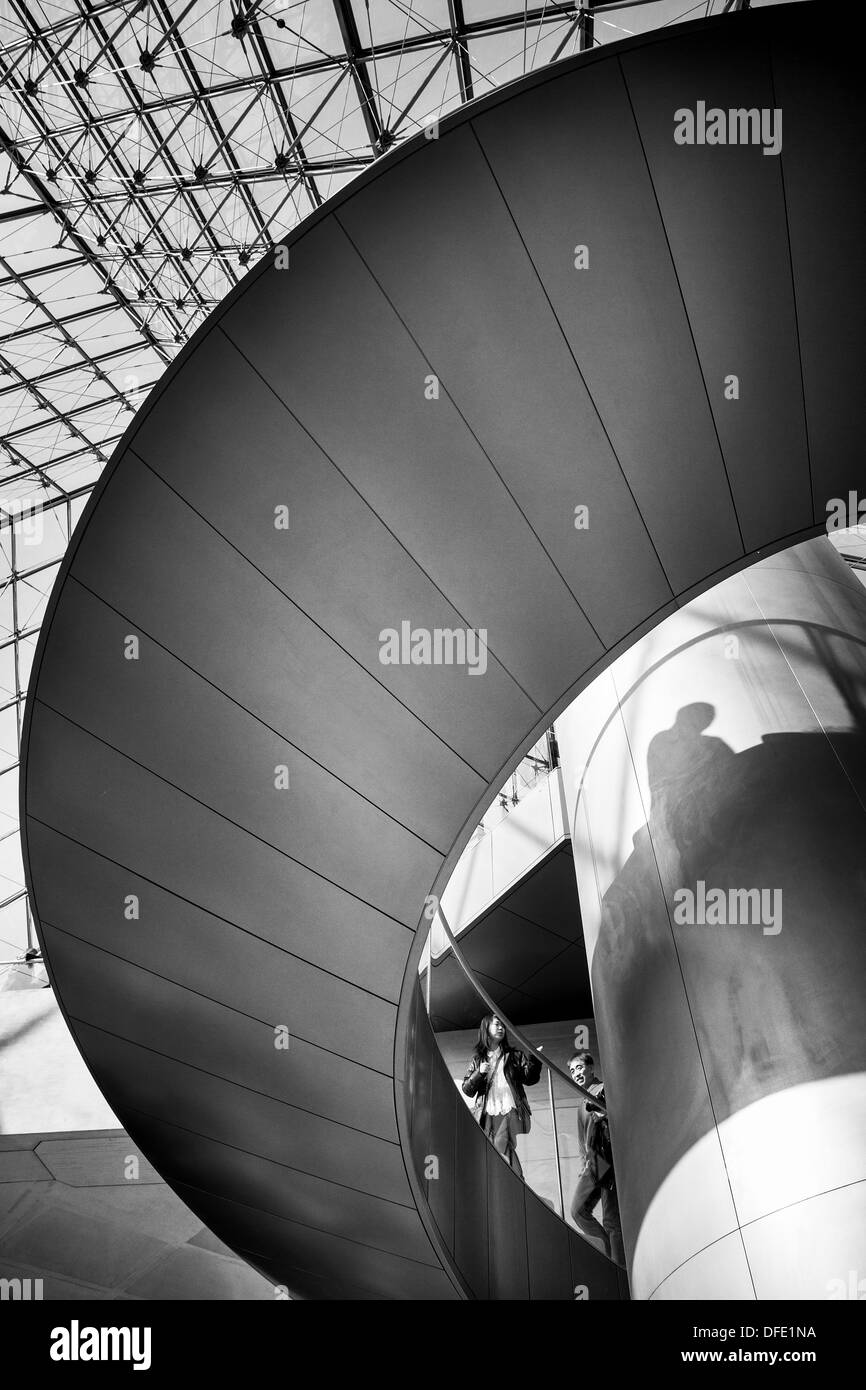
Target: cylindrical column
{"x": 716, "y": 783}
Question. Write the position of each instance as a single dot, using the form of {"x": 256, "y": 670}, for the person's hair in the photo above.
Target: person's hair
{"x": 483, "y": 1042}
{"x": 582, "y": 1056}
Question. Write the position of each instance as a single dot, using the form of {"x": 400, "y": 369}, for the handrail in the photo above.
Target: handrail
{"x": 509, "y": 1026}
{"x": 721, "y": 629}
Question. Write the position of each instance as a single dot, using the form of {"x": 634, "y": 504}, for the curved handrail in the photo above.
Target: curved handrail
{"x": 512, "y": 1027}
{"x": 721, "y": 628}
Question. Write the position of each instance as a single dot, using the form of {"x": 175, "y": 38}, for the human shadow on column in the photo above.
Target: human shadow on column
{"x": 696, "y": 1021}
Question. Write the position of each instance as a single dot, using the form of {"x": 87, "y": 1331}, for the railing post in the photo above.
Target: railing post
{"x": 429, "y": 972}
{"x": 555, "y": 1143}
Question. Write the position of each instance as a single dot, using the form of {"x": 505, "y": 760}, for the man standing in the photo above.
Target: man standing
{"x": 597, "y": 1176}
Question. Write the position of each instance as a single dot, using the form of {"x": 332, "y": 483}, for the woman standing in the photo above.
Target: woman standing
{"x": 496, "y": 1077}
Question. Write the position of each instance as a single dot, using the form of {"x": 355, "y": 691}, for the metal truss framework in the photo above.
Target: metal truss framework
{"x": 150, "y": 150}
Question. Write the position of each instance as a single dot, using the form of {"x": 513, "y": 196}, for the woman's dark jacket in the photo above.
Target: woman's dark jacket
{"x": 520, "y": 1071}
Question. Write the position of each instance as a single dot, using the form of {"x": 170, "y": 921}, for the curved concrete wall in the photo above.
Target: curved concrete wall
{"x": 154, "y": 778}
{"x": 726, "y": 753}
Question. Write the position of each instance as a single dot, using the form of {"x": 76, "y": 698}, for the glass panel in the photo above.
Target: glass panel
{"x": 8, "y": 801}
{"x": 13, "y": 934}
{"x": 8, "y": 736}
{"x": 7, "y": 671}
{"x": 6, "y": 618}
{"x": 33, "y": 595}
{"x": 26, "y": 653}
{"x": 11, "y": 867}
{"x": 77, "y": 505}
{"x": 40, "y": 536}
